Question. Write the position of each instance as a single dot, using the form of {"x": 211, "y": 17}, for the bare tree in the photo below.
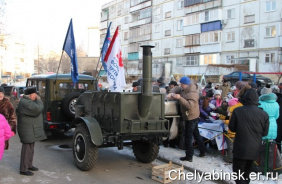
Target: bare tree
{"x": 277, "y": 67}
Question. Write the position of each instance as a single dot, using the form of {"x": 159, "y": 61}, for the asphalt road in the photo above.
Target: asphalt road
{"x": 56, "y": 165}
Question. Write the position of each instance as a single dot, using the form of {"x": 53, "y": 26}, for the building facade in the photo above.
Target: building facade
{"x": 198, "y": 37}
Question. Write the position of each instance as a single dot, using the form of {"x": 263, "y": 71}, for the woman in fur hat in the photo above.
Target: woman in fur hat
{"x": 8, "y": 111}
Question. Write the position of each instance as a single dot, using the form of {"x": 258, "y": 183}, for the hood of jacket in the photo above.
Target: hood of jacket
{"x": 270, "y": 97}
{"x": 250, "y": 97}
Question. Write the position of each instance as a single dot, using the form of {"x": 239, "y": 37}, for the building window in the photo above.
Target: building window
{"x": 230, "y": 59}
{"x": 119, "y": 27}
{"x": 270, "y": 31}
{"x": 249, "y": 19}
{"x": 191, "y": 2}
{"x": 126, "y": 20}
{"x": 249, "y": 43}
{"x": 191, "y": 60}
{"x": 179, "y": 25}
{"x": 230, "y": 37}
{"x": 167, "y": 51}
{"x": 144, "y": 14}
{"x": 270, "y": 57}
{"x": 208, "y": 59}
{"x": 179, "y": 61}
{"x": 125, "y": 36}
{"x": 168, "y": 14}
{"x": 231, "y": 13}
{"x": 180, "y": 4}
{"x": 207, "y": 16}
{"x": 119, "y": 13}
{"x": 191, "y": 19}
{"x": 211, "y": 37}
{"x": 179, "y": 42}
{"x": 168, "y": 33}
{"x": 157, "y": 28}
{"x": 192, "y": 40}
{"x": 157, "y": 11}
{"x": 270, "y": 6}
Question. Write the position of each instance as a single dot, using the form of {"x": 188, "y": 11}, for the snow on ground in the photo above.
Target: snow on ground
{"x": 213, "y": 161}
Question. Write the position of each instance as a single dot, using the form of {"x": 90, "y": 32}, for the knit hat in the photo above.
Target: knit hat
{"x": 29, "y": 90}
{"x": 217, "y": 92}
{"x": 240, "y": 84}
{"x": 2, "y": 90}
{"x": 209, "y": 85}
{"x": 185, "y": 80}
{"x": 160, "y": 80}
{"x": 209, "y": 94}
{"x": 233, "y": 101}
{"x": 275, "y": 89}
{"x": 254, "y": 85}
{"x": 265, "y": 90}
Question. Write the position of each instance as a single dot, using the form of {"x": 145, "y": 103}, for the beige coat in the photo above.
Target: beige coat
{"x": 189, "y": 101}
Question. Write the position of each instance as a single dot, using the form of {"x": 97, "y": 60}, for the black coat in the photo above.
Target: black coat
{"x": 250, "y": 124}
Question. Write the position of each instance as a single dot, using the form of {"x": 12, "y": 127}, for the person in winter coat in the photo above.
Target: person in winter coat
{"x": 207, "y": 88}
{"x": 188, "y": 97}
{"x": 205, "y": 109}
{"x": 268, "y": 103}
{"x": 233, "y": 104}
{"x": 225, "y": 88}
{"x": 217, "y": 100}
{"x": 239, "y": 85}
{"x": 250, "y": 123}
{"x": 5, "y": 134}
{"x": 279, "y": 120}
{"x": 30, "y": 128}
{"x": 7, "y": 110}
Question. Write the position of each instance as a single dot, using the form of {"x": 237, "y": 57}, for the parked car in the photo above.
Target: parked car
{"x": 16, "y": 94}
{"x": 234, "y": 77}
{"x": 59, "y": 95}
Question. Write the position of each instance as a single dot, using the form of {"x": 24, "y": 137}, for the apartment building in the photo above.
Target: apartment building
{"x": 198, "y": 37}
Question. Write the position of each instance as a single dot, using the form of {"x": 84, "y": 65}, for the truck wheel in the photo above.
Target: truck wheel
{"x": 68, "y": 104}
{"x": 85, "y": 153}
{"x": 145, "y": 151}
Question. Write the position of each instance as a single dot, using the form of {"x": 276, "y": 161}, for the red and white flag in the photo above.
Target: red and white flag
{"x": 115, "y": 69}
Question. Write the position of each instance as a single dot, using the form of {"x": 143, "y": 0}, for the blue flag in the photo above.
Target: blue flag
{"x": 70, "y": 49}
{"x": 105, "y": 47}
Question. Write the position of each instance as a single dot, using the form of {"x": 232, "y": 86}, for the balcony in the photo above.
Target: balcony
{"x": 140, "y": 38}
{"x": 140, "y": 6}
{"x": 202, "y": 6}
{"x": 140, "y": 22}
{"x": 189, "y": 50}
{"x": 192, "y": 29}
{"x": 210, "y": 48}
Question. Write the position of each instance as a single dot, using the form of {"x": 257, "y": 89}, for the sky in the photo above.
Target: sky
{"x": 45, "y": 22}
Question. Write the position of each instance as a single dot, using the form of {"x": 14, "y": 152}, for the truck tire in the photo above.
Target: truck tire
{"x": 85, "y": 153}
{"x": 145, "y": 151}
{"x": 68, "y": 104}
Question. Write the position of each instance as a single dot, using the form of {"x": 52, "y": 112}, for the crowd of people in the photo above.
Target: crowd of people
{"x": 251, "y": 115}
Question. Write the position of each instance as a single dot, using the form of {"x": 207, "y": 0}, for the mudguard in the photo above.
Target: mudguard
{"x": 93, "y": 127}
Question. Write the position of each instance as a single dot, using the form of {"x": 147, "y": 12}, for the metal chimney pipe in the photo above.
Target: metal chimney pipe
{"x": 147, "y": 69}
{"x": 145, "y": 98}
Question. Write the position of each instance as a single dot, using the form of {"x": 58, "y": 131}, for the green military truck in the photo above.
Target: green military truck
{"x": 59, "y": 96}
{"x": 115, "y": 119}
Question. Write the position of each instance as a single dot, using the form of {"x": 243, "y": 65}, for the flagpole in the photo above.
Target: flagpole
{"x": 59, "y": 65}
{"x": 98, "y": 65}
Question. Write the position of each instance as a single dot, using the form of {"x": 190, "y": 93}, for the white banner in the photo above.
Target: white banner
{"x": 213, "y": 131}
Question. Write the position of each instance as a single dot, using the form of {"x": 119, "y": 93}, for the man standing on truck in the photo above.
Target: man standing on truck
{"x": 188, "y": 97}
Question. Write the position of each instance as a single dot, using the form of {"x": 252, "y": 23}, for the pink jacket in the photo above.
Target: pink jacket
{"x": 5, "y": 133}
